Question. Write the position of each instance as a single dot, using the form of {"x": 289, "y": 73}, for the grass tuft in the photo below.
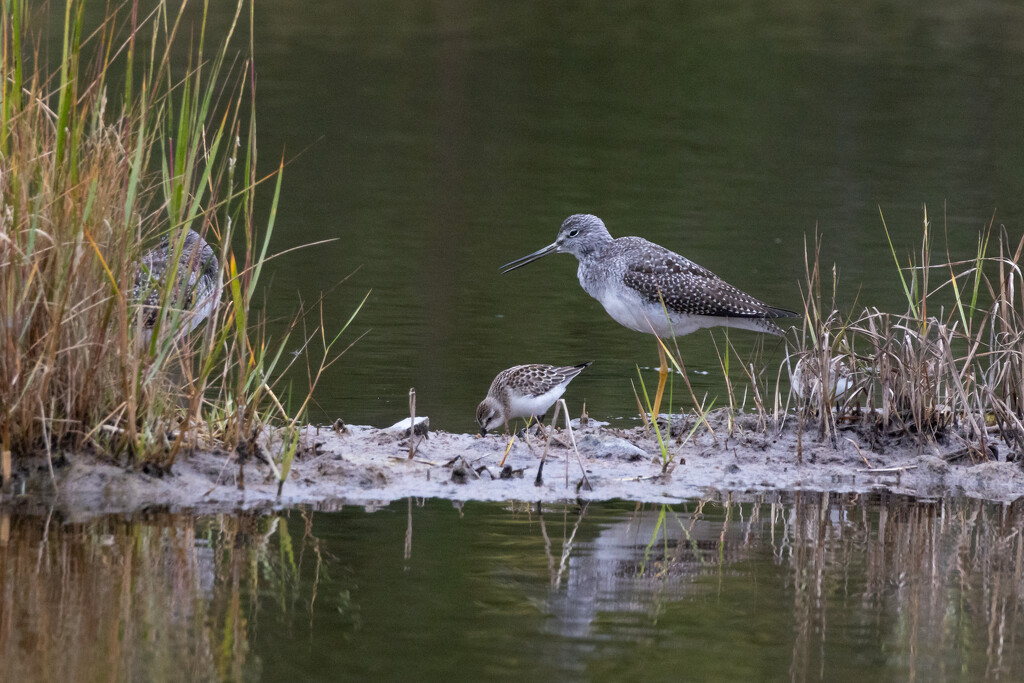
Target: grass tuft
{"x": 948, "y": 371}
{"x": 102, "y": 156}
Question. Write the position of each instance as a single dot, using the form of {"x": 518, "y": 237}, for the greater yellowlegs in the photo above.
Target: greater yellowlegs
{"x": 524, "y": 391}
{"x": 648, "y": 288}
{"x": 197, "y": 286}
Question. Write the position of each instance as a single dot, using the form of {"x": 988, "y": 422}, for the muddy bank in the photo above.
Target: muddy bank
{"x": 365, "y": 465}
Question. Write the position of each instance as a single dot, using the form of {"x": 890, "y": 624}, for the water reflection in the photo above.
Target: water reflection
{"x": 633, "y": 565}
{"x": 160, "y": 595}
{"x": 805, "y": 587}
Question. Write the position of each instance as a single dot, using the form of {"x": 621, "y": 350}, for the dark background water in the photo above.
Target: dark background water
{"x": 437, "y": 140}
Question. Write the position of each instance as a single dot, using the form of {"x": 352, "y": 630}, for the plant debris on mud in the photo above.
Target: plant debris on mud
{"x": 367, "y": 465}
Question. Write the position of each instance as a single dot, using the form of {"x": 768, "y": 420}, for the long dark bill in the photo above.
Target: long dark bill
{"x": 530, "y": 258}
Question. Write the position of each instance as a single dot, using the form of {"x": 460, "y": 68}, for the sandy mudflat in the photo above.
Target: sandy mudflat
{"x": 366, "y": 465}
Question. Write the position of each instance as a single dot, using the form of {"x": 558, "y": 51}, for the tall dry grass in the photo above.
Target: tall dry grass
{"x": 101, "y": 157}
{"x": 948, "y": 370}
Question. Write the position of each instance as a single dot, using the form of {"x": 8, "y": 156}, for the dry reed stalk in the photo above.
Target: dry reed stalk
{"x": 948, "y": 368}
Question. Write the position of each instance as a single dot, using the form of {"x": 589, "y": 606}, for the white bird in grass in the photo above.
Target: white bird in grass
{"x": 650, "y": 289}
{"x": 526, "y": 391}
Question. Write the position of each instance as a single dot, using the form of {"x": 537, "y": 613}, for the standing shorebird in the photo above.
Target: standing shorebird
{"x": 648, "y": 288}
{"x": 524, "y": 391}
{"x": 197, "y": 286}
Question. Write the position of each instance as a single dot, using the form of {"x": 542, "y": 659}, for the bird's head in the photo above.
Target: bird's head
{"x": 489, "y": 415}
{"x": 581, "y": 234}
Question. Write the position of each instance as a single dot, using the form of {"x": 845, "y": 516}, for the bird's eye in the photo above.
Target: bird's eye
{"x": 573, "y": 232}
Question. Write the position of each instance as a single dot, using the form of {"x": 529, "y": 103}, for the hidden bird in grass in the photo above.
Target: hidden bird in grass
{"x": 196, "y": 288}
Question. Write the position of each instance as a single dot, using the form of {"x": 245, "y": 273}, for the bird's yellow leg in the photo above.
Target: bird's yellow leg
{"x": 662, "y": 378}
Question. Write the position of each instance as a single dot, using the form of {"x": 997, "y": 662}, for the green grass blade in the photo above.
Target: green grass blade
{"x": 907, "y": 289}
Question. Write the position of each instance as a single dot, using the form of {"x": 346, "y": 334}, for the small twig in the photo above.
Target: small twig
{"x": 859, "y": 452}
{"x": 471, "y": 471}
{"x": 895, "y": 468}
{"x": 475, "y": 460}
{"x": 572, "y": 438}
{"x": 647, "y": 478}
{"x": 412, "y": 422}
{"x": 420, "y": 461}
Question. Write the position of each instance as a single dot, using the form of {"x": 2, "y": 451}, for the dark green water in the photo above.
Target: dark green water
{"x": 804, "y": 587}
{"x": 436, "y": 141}
{"x": 439, "y": 140}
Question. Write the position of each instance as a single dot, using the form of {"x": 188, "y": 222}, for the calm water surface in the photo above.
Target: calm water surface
{"x": 792, "y": 587}
{"x": 438, "y": 140}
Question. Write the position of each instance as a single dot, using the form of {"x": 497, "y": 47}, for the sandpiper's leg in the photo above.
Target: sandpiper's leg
{"x": 662, "y": 378}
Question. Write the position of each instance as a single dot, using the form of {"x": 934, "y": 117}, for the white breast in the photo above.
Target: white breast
{"x": 526, "y": 406}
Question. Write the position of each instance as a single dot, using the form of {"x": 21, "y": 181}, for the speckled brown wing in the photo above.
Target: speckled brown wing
{"x": 536, "y": 378}
{"x": 148, "y": 281}
{"x": 196, "y": 277}
{"x": 691, "y": 289}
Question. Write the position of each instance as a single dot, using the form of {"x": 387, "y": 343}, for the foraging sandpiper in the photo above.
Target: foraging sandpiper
{"x": 197, "y": 285}
{"x": 632, "y": 278}
{"x": 524, "y": 391}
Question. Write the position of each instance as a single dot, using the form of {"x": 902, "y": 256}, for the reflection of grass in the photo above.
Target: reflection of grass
{"x": 936, "y": 584}
{"x": 674, "y": 553}
{"x": 658, "y": 526}
{"x": 92, "y": 168}
{"x": 83, "y": 602}
{"x": 947, "y": 573}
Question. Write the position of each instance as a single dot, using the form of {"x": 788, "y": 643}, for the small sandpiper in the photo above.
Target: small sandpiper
{"x": 524, "y": 391}
{"x": 197, "y": 285}
{"x": 650, "y": 289}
